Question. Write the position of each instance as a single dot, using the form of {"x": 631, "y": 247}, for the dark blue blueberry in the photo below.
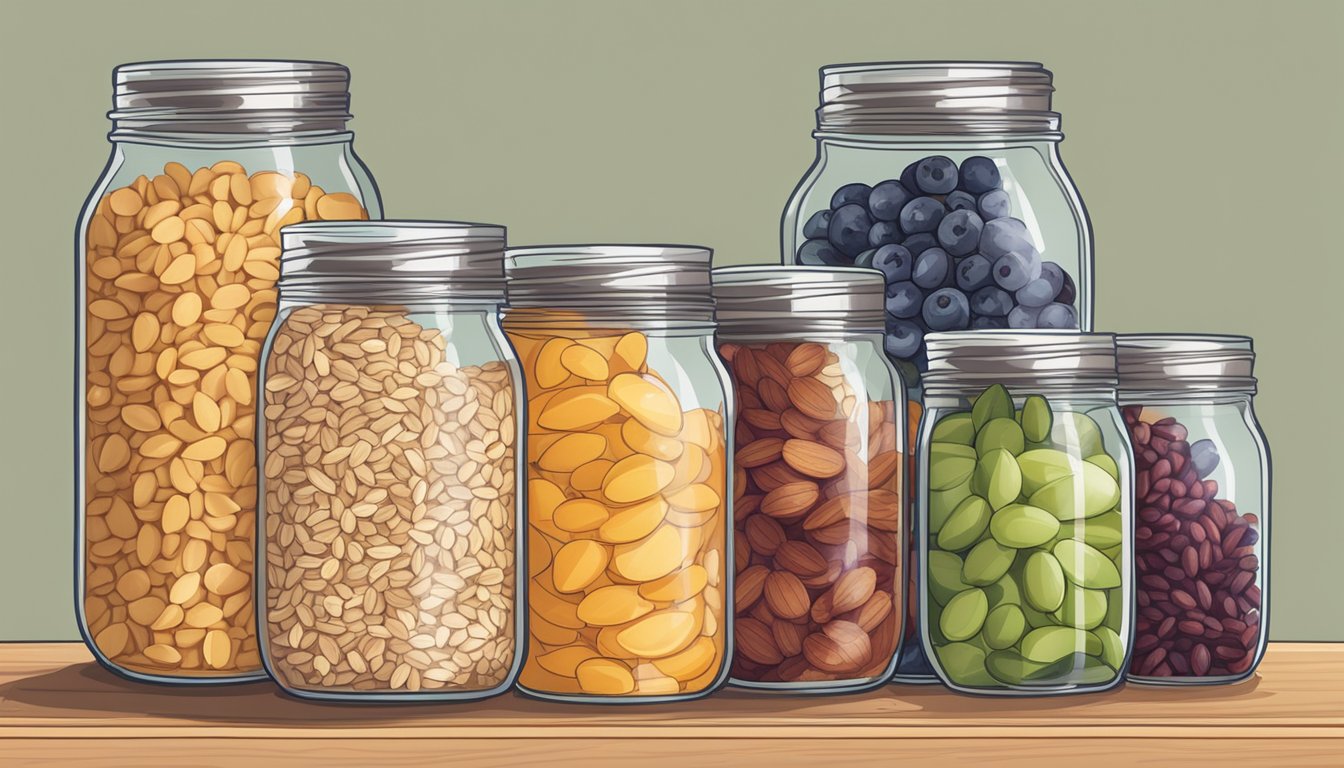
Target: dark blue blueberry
{"x": 1068, "y": 294}
{"x": 991, "y": 301}
{"x": 908, "y": 177}
{"x": 979, "y": 175}
{"x": 851, "y": 193}
{"x": 895, "y": 262}
{"x": 1001, "y": 236}
{"x": 960, "y": 201}
{"x": 1013, "y": 270}
{"x": 946, "y": 309}
{"x": 1053, "y": 274}
{"x": 849, "y": 229}
{"x": 865, "y": 259}
{"x": 974, "y": 273}
{"x": 920, "y": 243}
{"x": 1057, "y": 316}
{"x": 933, "y": 268}
{"x": 817, "y": 226}
{"x": 994, "y": 204}
{"x": 922, "y": 214}
{"x": 887, "y": 199}
{"x": 959, "y": 232}
{"x": 1204, "y": 457}
{"x": 883, "y": 233}
{"x": 1023, "y": 317}
{"x": 904, "y": 300}
{"x": 936, "y": 175}
{"x": 989, "y": 324}
{"x": 820, "y": 253}
{"x": 903, "y": 339}
{"x": 1036, "y": 293}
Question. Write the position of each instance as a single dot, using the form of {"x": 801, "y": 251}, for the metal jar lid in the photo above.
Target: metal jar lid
{"x": 1170, "y": 362}
{"x": 1064, "y": 360}
{"x": 229, "y": 96}
{"x": 392, "y": 261}
{"x": 638, "y": 282}
{"x": 971, "y": 98}
{"x": 774, "y": 299}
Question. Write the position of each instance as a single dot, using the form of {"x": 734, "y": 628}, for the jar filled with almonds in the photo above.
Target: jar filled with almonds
{"x": 177, "y": 258}
{"x": 627, "y": 477}
{"x": 390, "y": 476}
{"x": 817, "y": 509}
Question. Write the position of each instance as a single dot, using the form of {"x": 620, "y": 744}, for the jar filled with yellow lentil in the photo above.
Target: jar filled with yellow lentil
{"x": 627, "y": 472}
{"x": 177, "y": 257}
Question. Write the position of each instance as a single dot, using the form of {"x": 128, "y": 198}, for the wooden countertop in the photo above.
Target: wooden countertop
{"x": 57, "y": 707}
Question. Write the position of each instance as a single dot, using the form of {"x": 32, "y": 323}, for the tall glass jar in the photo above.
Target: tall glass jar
{"x": 1202, "y": 493}
{"x": 945, "y": 176}
{"x": 628, "y": 488}
{"x": 818, "y": 510}
{"x": 391, "y": 477}
{"x": 177, "y": 255}
{"x": 1025, "y": 502}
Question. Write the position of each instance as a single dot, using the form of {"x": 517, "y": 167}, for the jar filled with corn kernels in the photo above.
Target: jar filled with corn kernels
{"x": 627, "y": 472}
{"x": 818, "y": 514}
{"x": 177, "y": 256}
{"x": 390, "y": 475}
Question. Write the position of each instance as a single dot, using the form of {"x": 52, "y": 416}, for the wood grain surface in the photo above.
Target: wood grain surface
{"x": 58, "y": 707}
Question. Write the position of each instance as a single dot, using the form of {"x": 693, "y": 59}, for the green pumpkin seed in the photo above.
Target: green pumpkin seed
{"x": 993, "y": 403}
{"x": 986, "y": 563}
{"x": 1004, "y": 592}
{"x": 1043, "y": 582}
{"x": 1022, "y": 526}
{"x": 1013, "y": 668}
{"x": 1085, "y": 566}
{"x": 1107, "y": 463}
{"x": 1088, "y": 493}
{"x": 998, "y": 434}
{"x": 954, "y": 428}
{"x": 945, "y": 576}
{"x": 943, "y": 503}
{"x": 1036, "y": 618}
{"x": 1076, "y": 432}
{"x": 1116, "y": 607}
{"x": 1036, "y": 418}
{"x": 1082, "y": 608}
{"x": 1112, "y": 647}
{"x": 1004, "y": 626}
{"x": 997, "y": 478}
{"x": 1102, "y": 532}
{"x": 1093, "y": 671}
{"x": 1042, "y": 466}
{"x": 950, "y": 465}
{"x": 1047, "y": 644}
{"x": 964, "y": 664}
{"x": 963, "y": 528}
{"x": 964, "y": 614}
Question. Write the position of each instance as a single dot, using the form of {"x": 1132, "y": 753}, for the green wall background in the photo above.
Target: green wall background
{"x": 1206, "y": 138}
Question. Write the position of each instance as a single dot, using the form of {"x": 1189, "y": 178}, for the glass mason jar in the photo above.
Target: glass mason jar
{"x": 1025, "y": 494}
{"x": 391, "y": 477}
{"x": 177, "y": 254}
{"x": 1202, "y": 493}
{"x": 818, "y": 513}
{"x": 627, "y": 456}
{"x": 946, "y": 177}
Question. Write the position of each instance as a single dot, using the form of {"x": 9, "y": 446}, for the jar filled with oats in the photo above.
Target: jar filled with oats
{"x": 390, "y": 479}
{"x": 177, "y": 259}
{"x": 626, "y": 469}
{"x": 817, "y": 513}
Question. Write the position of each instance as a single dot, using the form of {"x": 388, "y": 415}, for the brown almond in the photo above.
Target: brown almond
{"x": 882, "y": 468}
{"x": 747, "y": 398}
{"x": 829, "y": 512}
{"x": 760, "y": 418}
{"x": 853, "y": 589}
{"x": 873, "y": 612}
{"x": 790, "y": 500}
{"x": 821, "y": 609}
{"x": 806, "y": 359}
{"x": 832, "y": 535}
{"x": 773, "y": 395}
{"x": 761, "y": 612}
{"x": 882, "y": 638}
{"x": 786, "y": 595}
{"x": 813, "y": 398}
{"x": 741, "y": 554}
{"x": 800, "y": 558}
{"x": 764, "y": 534}
{"x": 846, "y": 654}
{"x": 885, "y": 547}
{"x": 745, "y": 369}
{"x": 759, "y": 452}
{"x": 749, "y": 586}
{"x": 772, "y": 368}
{"x": 746, "y": 505}
{"x": 753, "y": 639}
{"x": 812, "y": 459}
{"x": 838, "y": 435}
{"x": 788, "y": 636}
{"x": 728, "y": 351}
{"x": 833, "y": 568}
{"x": 796, "y": 424}
{"x": 780, "y": 350}
{"x": 775, "y": 475}
{"x": 884, "y": 510}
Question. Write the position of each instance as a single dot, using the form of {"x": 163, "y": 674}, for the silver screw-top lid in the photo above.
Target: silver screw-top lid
{"x": 1170, "y": 362}
{"x": 638, "y": 282}
{"x": 774, "y": 299}
{"x": 969, "y": 361}
{"x": 229, "y": 97}
{"x": 392, "y": 261}
{"x": 981, "y": 98}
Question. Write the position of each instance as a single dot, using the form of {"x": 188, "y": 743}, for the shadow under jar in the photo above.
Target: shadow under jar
{"x": 391, "y": 475}
{"x": 628, "y": 489}
{"x": 178, "y": 251}
{"x": 1202, "y": 496}
{"x": 1025, "y": 504}
{"x": 818, "y": 513}
{"x": 946, "y": 177}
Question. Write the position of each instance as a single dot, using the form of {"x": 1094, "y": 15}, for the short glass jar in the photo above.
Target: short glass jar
{"x": 1202, "y": 496}
{"x": 1024, "y": 504}
{"x": 391, "y": 476}
{"x": 945, "y": 176}
{"x": 628, "y": 488}
{"x": 818, "y": 512}
{"x": 177, "y": 257}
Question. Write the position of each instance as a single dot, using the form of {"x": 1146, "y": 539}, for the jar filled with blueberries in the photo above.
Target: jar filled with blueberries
{"x": 946, "y": 177}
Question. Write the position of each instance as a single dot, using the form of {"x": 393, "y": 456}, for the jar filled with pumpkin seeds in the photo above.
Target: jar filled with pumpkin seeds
{"x": 1025, "y": 507}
